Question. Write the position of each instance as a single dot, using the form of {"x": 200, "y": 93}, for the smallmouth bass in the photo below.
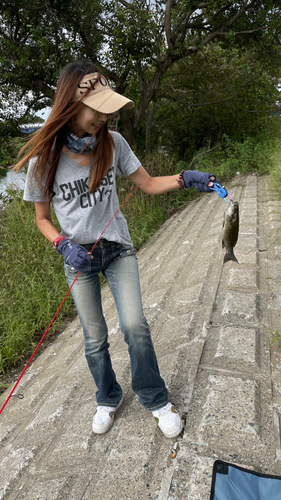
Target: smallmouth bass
{"x": 230, "y": 230}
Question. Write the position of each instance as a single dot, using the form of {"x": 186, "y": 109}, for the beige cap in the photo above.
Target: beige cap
{"x": 101, "y": 98}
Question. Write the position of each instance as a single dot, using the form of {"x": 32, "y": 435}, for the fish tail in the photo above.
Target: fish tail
{"x": 230, "y": 256}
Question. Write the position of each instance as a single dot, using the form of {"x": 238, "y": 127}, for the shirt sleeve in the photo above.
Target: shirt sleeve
{"x": 33, "y": 191}
{"x": 127, "y": 162}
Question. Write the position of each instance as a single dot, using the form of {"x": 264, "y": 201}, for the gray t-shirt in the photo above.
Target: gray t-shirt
{"x": 83, "y": 215}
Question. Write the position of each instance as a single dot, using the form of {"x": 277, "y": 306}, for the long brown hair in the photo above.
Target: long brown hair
{"x": 46, "y": 144}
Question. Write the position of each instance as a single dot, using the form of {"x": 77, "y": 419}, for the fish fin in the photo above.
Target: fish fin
{"x": 228, "y": 257}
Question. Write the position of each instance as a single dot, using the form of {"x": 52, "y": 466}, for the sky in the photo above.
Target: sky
{"x": 10, "y": 106}
{"x": 44, "y": 113}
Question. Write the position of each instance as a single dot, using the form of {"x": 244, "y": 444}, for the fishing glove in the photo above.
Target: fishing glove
{"x": 74, "y": 255}
{"x": 199, "y": 180}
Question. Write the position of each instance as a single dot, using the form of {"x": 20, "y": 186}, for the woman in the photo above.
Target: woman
{"x": 73, "y": 164}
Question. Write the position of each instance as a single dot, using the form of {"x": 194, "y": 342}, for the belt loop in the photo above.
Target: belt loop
{"x": 88, "y": 246}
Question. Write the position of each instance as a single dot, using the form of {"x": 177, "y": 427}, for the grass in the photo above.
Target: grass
{"x": 255, "y": 154}
{"x": 276, "y": 338}
{"x": 275, "y": 170}
{"x": 33, "y": 282}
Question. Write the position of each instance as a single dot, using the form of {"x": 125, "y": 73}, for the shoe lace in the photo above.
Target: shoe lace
{"x": 163, "y": 411}
{"x": 105, "y": 409}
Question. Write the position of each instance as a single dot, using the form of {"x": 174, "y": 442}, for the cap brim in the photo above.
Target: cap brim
{"x": 108, "y": 102}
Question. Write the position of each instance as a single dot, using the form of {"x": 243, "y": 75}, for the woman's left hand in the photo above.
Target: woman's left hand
{"x": 74, "y": 255}
{"x": 200, "y": 180}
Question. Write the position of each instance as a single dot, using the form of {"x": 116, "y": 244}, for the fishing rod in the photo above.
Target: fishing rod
{"x": 20, "y": 396}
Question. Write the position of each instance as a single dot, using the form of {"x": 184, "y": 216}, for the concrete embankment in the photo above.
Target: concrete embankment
{"x": 211, "y": 330}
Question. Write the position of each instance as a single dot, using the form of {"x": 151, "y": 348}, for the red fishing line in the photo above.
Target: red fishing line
{"x": 28, "y": 363}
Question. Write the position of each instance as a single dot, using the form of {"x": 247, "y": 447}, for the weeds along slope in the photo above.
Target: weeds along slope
{"x": 33, "y": 283}
{"x": 276, "y": 167}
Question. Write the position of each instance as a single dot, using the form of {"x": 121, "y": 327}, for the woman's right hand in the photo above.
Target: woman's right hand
{"x": 74, "y": 255}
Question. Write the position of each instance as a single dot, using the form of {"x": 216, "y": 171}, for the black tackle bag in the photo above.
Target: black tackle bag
{"x": 231, "y": 482}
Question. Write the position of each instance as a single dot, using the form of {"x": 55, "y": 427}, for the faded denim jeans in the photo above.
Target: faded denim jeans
{"x": 120, "y": 268}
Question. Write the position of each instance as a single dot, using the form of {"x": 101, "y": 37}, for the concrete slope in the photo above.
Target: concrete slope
{"x": 211, "y": 326}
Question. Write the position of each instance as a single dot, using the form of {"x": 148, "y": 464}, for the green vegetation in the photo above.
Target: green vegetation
{"x": 276, "y": 166}
{"x": 33, "y": 283}
{"x": 32, "y": 286}
{"x": 276, "y": 338}
{"x": 9, "y": 148}
{"x": 253, "y": 154}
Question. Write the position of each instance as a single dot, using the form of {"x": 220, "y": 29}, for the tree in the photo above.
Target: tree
{"x": 135, "y": 42}
{"x": 219, "y": 92}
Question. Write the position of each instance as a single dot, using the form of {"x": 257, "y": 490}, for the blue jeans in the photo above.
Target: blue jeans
{"x": 120, "y": 268}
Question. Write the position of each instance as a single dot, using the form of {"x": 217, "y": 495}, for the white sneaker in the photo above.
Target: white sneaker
{"x": 168, "y": 420}
{"x": 104, "y": 418}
